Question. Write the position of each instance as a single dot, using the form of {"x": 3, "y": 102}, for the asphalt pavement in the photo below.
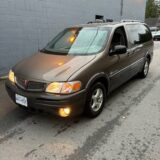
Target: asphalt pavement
{"x": 128, "y": 128}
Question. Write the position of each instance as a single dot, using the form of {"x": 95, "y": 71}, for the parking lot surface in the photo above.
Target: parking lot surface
{"x": 127, "y": 129}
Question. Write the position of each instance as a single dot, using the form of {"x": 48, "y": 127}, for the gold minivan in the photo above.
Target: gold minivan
{"x": 75, "y": 72}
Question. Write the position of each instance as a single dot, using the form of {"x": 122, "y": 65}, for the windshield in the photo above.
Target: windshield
{"x": 79, "y": 41}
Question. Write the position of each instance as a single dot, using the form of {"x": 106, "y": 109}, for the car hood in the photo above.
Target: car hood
{"x": 49, "y": 67}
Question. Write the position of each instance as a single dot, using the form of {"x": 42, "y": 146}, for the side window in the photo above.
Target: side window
{"x": 144, "y": 34}
{"x": 119, "y": 38}
{"x": 133, "y": 34}
{"x": 138, "y": 34}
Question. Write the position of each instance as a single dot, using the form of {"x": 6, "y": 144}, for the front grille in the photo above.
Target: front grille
{"x": 21, "y": 83}
{"x": 36, "y": 86}
{"x": 30, "y": 85}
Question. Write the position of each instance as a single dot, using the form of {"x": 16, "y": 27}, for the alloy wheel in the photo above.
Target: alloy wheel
{"x": 97, "y": 99}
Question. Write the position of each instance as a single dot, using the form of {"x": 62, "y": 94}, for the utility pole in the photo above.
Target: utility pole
{"x": 122, "y": 4}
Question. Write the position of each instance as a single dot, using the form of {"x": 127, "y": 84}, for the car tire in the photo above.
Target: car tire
{"x": 145, "y": 70}
{"x": 95, "y": 100}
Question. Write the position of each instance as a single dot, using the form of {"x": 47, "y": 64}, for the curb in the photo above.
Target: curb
{"x": 3, "y": 78}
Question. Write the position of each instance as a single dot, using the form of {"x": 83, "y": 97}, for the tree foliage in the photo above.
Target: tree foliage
{"x": 152, "y": 10}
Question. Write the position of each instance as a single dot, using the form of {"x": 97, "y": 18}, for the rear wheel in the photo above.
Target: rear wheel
{"x": 145, "y": 70}
{"x": 95, "y": 100}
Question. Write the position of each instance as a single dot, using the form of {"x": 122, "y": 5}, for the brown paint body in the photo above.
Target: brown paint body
{"x": 46, "y": 68}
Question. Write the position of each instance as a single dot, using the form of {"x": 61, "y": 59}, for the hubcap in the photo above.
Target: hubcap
{"x": 97, "y": 99}
{"x": 146, "y": 68}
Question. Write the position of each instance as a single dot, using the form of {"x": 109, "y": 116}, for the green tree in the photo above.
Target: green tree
{"x": 152, "y": 10}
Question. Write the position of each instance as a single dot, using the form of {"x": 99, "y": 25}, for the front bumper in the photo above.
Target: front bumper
{"x": 49, "y": 102}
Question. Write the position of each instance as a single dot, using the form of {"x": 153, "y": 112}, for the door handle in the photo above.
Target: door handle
{"x": 130, "y": 53}
{"x": 133, "y": 50}
{"x": 137, "y": 49}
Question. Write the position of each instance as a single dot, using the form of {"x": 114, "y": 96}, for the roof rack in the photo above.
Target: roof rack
{"x": 97, "y": 21}
{"x": 100, "y": 19}
{"x": 128, "y": 20}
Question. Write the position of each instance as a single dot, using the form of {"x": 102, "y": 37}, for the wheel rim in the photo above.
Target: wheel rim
{"x": 97, "y": 99}
{"x": 146, "y": 68}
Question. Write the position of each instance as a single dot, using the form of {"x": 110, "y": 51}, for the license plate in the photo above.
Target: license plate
{"x": 21, "y": 100}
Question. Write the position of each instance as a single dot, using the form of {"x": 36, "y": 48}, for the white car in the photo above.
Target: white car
{"x": 156, "y": 36}
{"x": 155, "y": 33}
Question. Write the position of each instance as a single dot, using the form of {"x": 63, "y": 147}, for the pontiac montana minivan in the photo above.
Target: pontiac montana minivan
{"x": 75, "y": 72}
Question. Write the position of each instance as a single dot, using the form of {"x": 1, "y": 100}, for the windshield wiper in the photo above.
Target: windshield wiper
{"x": 46, "y": 51}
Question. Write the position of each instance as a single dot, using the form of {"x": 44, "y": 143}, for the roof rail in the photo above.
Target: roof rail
{"x": 128, "y": 20}
{"x": 100, "y": 21}
{"x": 96, "y": 21}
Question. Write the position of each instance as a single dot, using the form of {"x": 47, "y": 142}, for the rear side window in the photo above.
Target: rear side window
{"x": 138, "y": 34}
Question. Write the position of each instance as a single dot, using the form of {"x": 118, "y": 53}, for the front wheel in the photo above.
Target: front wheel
{"x": 144, "y": 72}
{"x": 95, "y": 100}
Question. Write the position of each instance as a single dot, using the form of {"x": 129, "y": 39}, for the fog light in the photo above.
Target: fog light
{"x": 64, "y": 112}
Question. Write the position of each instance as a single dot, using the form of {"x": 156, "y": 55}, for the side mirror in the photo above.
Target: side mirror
{"x": 119, "y": 49}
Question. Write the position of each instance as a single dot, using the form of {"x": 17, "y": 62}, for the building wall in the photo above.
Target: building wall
{"x": 26, "y": 25}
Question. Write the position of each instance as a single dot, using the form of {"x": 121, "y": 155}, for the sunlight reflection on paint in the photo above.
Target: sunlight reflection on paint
{"x": 60, "y": 63}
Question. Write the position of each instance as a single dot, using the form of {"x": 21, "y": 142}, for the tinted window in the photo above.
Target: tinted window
{"x": 119, "y": 38}
{"x": 138, "y": 34}
{"x": 145, "y": 34}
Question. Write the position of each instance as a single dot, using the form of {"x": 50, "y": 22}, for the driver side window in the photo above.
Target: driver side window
{"x": 119, "y": 38}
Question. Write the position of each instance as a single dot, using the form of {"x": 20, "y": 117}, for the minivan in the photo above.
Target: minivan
{"x": 76, "y": 70}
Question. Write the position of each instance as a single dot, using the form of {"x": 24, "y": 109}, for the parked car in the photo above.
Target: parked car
{"x": 156, "y": 36}
{"x": 76, "y": 71}
{"x": 155, "y": 33}
{"x": 154, "y": 28}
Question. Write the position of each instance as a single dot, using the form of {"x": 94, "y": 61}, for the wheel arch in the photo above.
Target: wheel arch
{"x": 100, "y": 77}
{"x": 148, "y": 56}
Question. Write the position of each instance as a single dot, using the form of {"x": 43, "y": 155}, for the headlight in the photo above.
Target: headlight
{"x": 63, "y": 87}
{"x": 11, "y": 76}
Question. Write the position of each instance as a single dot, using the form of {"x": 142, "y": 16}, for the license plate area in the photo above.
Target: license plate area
{"x": 21, "y": 100}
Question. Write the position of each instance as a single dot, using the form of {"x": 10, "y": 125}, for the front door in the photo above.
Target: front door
{"x": 119, "y": 70}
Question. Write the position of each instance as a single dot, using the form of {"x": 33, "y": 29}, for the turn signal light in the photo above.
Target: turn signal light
{"x": 63, "y": 87}
{"x": 11, "y": 76}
